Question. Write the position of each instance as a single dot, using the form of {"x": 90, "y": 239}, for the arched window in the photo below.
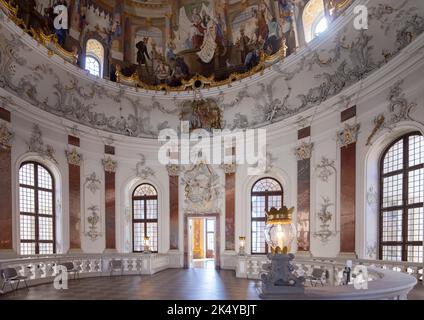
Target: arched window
{"x": 266, "y": 193}
{"x": 36, "y": 206}
{"x": 314, "y": 20}
{"x": 94, "y": 58}
{"x": 401, "y": 200}
{"x": 145, "y": 217}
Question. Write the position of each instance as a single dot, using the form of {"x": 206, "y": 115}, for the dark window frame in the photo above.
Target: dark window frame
{"x": 37, "y": 215}
{"x": 145, "y": 221}
{"x": 405, "y": 190}
{"x": 265, "y": 194}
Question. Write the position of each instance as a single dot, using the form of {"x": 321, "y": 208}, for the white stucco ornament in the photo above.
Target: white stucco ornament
{"x": 202, "y": 190}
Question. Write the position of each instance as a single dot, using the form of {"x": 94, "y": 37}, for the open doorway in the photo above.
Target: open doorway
{"x": 202, "y": 242}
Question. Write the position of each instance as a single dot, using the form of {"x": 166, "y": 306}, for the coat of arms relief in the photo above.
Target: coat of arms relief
{"x": 203, "y": 192}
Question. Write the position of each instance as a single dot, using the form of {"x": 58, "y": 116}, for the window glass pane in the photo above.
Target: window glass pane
{"x": 394, "y": 158}
{"x": 210, "y": 225}
{"x": 27, "y": 249}
{"x": 45, "y": 202}
{"x": 416, "y": 150}
{"x": 274, "y": 201}
{"x": 392, "y": 191}
{"x": 27, "y": 227}
{"x": 258, "y": 237}
{"x": 26, "y": 174}
{"x": 45, "y": 228}
{"x": 152, "y": 209}
{"x": 211, "y": 241}
{"x": 392, "y": 226}
{"x": 46, "y": 248}
{"x": 392, "y": 253}
{"x": 416, "y": 186}
{"x": 26, "y": 200}
{"x": 145, "y": 190}
{"x": 258, "y": 206}
{"x": 415, "y": 253}
{"x": 44, "y": 178}
{"x": 152, "y": 233}
{"x": 138, "y": 236}
{"x": 138, "y": 209}
{"x": 415, "y": 224}
{"x": 92, "y": 66}
{"x": 266, "y": 185}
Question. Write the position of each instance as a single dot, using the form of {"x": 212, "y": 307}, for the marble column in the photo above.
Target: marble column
{"x": 6, "y": 212}
{"x": 74, "y": 163}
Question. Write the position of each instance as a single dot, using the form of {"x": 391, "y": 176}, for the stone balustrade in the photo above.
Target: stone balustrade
{"x": 387, "y": 279}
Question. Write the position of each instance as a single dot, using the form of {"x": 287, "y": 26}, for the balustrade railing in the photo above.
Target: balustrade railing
{"x": 333, "y": 266}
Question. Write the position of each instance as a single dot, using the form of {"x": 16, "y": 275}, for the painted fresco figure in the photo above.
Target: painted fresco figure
{"x": 243, "y": 44}
{"x": 274, "y": 38}
{"x": 26, "y": 11}
{"x": 142, "y": 52}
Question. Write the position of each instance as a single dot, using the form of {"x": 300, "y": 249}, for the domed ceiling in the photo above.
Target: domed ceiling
{"x": 176, "y": 45}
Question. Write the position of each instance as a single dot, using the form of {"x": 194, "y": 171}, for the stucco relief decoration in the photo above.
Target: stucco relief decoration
{"x": 372, "y": 196}
{"x": 36, "y": 144}
{"x": 174, "y": 170}
{"x": 202, "y": 114}
{"x": 229, "y": 167}
{"x": 6, "y": 135}
{"x": 73, "y": 157}
{"x": 348, "y": 135}
{"x": 371, "y": 250}
{"x": 400, "y": 109}
{"x": 141, "y": 170}
{"x": 326, "y": 169}
{"x": 93, "y": 183}
{"x": 304, "y": 151}
{"x": 109, "y": 164}
{"x": 202, "y": 188}
{"x": 325, "y": 217}
{"x": 93, "y": 221}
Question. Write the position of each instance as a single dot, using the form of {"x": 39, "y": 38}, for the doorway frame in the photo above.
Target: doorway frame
{"x": 217, "y": 237}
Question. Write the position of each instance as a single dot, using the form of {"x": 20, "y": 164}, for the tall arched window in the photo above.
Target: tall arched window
{"x": 314, "y": 20}
{"x": 36, "y": 206}
{"x": 94, "y": 57}
{"x": 145, "y": 217}
{"x": 266, "y": 193}
{"x": 401, "y": 200}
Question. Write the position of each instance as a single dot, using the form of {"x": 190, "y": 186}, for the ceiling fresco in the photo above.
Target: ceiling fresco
{"x": 170, "y": 45}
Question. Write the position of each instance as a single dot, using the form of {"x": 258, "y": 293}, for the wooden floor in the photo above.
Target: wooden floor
{"x": 171, "y": 284}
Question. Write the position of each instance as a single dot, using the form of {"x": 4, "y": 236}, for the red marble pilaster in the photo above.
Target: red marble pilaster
{"x": 303, "y": 204}
{"x": 110, "y": 210}
{"x": 74, "y": 207}
{"x": 6, "y": 213}
{"x": 230, "y": 206}
{"x": 347, "y": 199}
{"x": 6, "y": 234}
{"x": 173, "y": 212}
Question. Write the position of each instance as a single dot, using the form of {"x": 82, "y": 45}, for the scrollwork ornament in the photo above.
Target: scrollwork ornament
{"x": 109, "y": 164}
{"x": 304, "y": 151}
{"x": 6, "y": 136}
{"x": 36, "y": 144}
{"x": 74, "y": 158}
{"x": 93, "y": 183}
{"x": 348, "y": 135}
{"x": 174, "y": 170}
{"x": 229, "y": 168}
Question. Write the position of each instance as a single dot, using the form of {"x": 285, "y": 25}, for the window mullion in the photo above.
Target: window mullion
{"x": 37, "y": 243}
